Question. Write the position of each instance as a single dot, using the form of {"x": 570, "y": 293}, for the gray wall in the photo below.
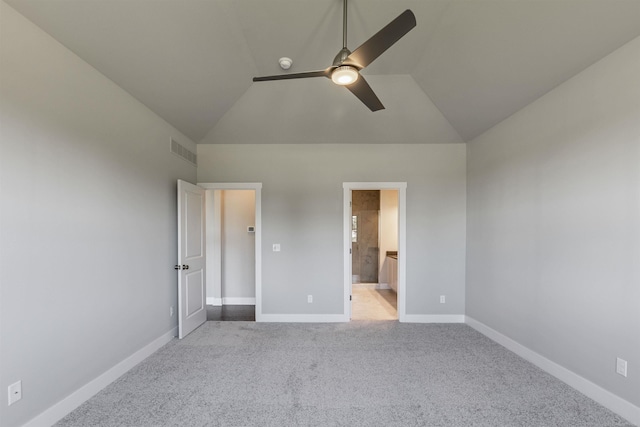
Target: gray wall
{"x": 88, "y": 211}
{"x": 302, "y": 209}
{"x": 553, "y": 247}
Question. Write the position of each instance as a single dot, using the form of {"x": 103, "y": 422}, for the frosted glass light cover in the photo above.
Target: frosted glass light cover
{"x": 344, "y": 75}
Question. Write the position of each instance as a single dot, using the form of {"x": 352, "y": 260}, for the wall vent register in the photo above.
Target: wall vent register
{"x": 180, "y": 150}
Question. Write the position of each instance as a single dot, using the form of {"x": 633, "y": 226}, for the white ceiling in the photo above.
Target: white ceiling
{"x": 466, "y": 66}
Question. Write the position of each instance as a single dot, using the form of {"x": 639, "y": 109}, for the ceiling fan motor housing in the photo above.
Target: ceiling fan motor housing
{"x": 341, "y": 57}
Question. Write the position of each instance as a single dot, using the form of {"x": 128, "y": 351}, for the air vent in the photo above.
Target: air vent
{"x": 185, "y": 153}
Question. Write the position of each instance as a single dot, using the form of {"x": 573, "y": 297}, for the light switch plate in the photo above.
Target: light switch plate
{"x": 621, "y": 367}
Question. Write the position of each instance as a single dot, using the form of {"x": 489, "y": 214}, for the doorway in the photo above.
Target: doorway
{"x": 374, "y": 246}
{"x": 234, "y": 260}
{"x": 375, "y": 227}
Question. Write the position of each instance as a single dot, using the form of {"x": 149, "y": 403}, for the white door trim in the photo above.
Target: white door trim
{"x": 257, "y": 187}
{"x": 402, "y": 239}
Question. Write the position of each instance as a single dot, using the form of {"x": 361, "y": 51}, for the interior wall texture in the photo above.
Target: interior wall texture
{"x": 213, "y": 240}
{"x": 88, "y": 220}
{"x": 553, "y": 246}
{"x": 302, "y": 210}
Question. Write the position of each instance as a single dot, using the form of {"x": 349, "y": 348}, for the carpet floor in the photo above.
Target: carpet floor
{"x": 348, "y": 374}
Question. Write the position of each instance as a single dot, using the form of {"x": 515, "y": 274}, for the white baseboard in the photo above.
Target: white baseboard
{"x": 302, "y": 318}
{"x": 433, "y": 318}
{"x": 332, "y": 318}
{"x": 604, "y": 397}
{"x": 238, "y": 301}
{"x": 58, "y": 411}
{"x": 230, "y": 301}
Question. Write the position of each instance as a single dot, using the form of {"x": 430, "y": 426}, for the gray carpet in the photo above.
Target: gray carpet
{"x": 353, "y": 374}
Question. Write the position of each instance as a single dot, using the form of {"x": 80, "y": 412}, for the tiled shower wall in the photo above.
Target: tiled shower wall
{"x": 365, "y": 205}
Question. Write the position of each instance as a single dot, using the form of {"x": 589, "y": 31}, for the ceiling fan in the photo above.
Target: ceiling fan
{"x": 346, "y": 67}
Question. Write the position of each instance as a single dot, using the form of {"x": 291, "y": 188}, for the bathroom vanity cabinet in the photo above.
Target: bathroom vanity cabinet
{"x": 392, "y": 269}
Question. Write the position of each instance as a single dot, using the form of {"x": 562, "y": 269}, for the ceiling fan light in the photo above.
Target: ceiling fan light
{"x": 344, "y": 75}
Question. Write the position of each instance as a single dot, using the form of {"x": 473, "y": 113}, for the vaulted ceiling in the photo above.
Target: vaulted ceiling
{"x": 466, "y": 66}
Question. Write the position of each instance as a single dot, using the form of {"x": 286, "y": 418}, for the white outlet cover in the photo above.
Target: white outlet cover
{"x": 15, "y": 392}
{"x": 309, "y": 299}
{"x": 276, "y": 247}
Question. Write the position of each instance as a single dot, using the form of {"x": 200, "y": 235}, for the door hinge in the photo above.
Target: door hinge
{"x": 349, "y": 251}
{"x": 350, "y": 298}
{"x": 177, "y": 267}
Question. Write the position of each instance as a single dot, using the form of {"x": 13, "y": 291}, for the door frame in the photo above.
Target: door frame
{"x": 401, "y": 187}
{"x": 257, "y": 187}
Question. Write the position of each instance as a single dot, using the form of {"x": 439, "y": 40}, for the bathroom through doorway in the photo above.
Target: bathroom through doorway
{"x": 374, "y": 254}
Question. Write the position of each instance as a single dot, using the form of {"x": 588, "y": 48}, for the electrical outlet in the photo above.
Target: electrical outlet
{"x": 442, "y": 299}
{"x": 621, "y": 367}
{"x": 171, "y": 311}
{"x": 276, "y": 247}
{"x": 15, "y": 392}
{"x": 309, "y": 299}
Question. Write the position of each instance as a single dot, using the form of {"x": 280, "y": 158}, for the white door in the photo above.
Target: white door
{"x": 192, "y": 309}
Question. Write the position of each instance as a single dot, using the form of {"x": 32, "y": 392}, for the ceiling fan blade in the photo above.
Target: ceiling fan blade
{"x": 368, "y": 51}
{"x": 363, "y": 91}
{"x": 304, "y": 75}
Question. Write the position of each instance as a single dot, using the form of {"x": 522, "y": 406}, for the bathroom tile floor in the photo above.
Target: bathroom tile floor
{"x": 373, "y": 304}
